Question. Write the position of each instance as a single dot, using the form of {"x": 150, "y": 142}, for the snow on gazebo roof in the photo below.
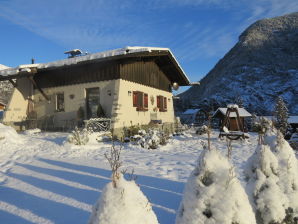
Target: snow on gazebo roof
{"x": 95, "y": 56}
{"x": 242, "y": 112}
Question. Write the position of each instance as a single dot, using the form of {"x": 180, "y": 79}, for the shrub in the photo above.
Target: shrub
{"x": 78, "y": 137}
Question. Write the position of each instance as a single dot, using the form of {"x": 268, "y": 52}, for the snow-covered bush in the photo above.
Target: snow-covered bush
{"x": 272, "y": 175}
{"x": 213, "y": 194}
{"x": 124, "y": 203}
{"x": 78, "y": 137}
{"x": 202, "y": 130}
{"x": 150, "y": 139}
{"x": 104, "y": 136}
{"x": 32, "y": 131}
{"x": 121, "y": 201}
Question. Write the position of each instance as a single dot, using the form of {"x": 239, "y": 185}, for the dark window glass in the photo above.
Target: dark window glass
{"x": 60, "y": 102}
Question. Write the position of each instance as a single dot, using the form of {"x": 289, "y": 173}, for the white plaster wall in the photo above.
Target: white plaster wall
{"x": 127, "y": 115}
{"x": 43, "y": 108}
{"x": 17, "y": 107}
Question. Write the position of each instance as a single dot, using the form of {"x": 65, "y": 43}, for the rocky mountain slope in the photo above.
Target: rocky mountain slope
{"x": 5, "y": 88}
{"x": 260, "y": 67}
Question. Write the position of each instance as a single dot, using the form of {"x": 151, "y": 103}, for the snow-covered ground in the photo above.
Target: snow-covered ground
{"x": 43, "y": 180}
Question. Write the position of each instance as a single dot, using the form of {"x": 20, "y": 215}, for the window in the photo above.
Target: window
{"x": 161, "y": 103}
{"x": 60, "y": 102}
{"x": 140, "y": 101}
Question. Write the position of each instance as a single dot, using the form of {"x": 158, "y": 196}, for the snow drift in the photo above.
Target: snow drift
{"x": 9, "y": 135}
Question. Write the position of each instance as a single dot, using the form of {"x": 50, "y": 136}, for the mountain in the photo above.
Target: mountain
{"x": 260, "y": 67}
{"x": 5, "y": 88}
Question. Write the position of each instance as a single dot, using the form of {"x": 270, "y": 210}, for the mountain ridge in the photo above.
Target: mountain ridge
{"x": 261, "y": 66}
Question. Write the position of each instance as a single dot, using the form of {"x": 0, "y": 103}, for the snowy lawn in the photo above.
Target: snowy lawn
{"x": 43, "y": 180}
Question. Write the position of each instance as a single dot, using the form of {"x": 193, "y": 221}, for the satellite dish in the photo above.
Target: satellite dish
{"x": 175, "y": 86}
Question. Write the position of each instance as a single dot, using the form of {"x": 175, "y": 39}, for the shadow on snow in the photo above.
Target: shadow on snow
{"x": 166, "y": 194}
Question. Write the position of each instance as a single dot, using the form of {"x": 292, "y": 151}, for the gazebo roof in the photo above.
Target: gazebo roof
{"x": 223, "y": 111}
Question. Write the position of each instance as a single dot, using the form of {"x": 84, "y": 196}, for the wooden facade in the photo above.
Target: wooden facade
{"x": 76, "y": 74}
{"x": 145, "y": 72}
{"x": 140, "y": 70}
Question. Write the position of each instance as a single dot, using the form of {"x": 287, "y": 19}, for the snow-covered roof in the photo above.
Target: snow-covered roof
{"x": 90, "y": 57}
{"x": 2, "y": 67}
{"x": 190, "y": 111}
{"x": 293, "y": 120}
{"x": 242, "y": 112}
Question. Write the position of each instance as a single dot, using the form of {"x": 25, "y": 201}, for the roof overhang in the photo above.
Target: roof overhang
{"x": 162, "y": 56}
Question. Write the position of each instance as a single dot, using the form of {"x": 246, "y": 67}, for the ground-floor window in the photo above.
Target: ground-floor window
{"x": 140, "y": 101}
{"x": 60, "y": 105}
{"x": 161, "y": 103}
{"x": 93, "y": 103}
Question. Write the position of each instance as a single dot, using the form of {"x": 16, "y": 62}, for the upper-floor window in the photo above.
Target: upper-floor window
{"x": 161, "y": 103}
{"x": 140, "y": 101}
{"x": 60, "y": 102}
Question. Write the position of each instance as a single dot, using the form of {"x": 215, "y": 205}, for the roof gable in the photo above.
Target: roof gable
{"x": 242, "y": 112}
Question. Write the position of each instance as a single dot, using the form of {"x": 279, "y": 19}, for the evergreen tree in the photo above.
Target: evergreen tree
{"x": 281, "y": 115}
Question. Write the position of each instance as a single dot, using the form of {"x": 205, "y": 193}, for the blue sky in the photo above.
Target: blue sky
{"x": 199, "y": 32}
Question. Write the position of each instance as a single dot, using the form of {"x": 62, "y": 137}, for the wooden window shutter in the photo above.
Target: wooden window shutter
{"x": 158, "y": 101}
{"x": 135, "y": 98}
{"x": 165, "y": 103}
{"x": 145, "y": 100}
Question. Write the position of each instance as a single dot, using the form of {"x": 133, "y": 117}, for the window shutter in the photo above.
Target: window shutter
{"x": 145, "y": 100}
{"x": 158, "y": 101}
{"x": 135, "y": 98}
{"x": 165, "y": 103}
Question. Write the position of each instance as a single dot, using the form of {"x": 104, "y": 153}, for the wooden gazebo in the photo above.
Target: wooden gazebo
{"x": 220, "y": 113}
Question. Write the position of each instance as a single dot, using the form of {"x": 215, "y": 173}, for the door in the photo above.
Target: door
{"x": 92, "y": 102}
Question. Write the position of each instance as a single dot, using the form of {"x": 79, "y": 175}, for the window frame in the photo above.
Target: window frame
{"x": 140, "y": 100}
{"x": 58, "y": 107}
{"x": 162, "y": 103}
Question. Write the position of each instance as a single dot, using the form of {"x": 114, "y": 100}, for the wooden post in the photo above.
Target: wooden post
{"x": 39, "y": 89}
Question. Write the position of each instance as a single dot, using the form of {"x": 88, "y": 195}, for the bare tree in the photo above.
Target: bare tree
{"x": 114, "y": 160}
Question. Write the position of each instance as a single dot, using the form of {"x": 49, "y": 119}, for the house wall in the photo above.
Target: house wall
{"x": 126, "y": 115}
{"x": 47, "y": 110}
{"x": 16, "y": 110}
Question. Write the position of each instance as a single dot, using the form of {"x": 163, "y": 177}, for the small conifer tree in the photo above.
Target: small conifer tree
{"x": 281, "y": 115}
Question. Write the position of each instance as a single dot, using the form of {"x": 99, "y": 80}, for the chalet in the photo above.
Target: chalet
{"x": 130, "y": 86}
{"x": 220, "y": 114}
